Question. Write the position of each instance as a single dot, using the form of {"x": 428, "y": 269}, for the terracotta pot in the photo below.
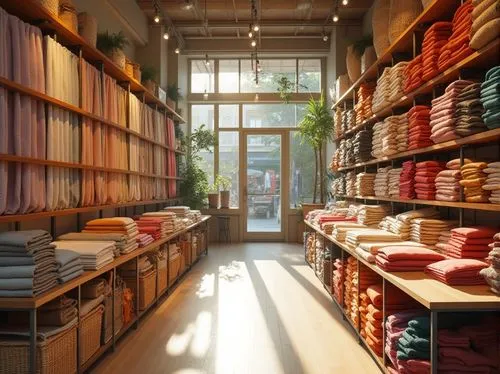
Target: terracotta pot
{"x": 150, "y": 86}
{"x": 224, "y": 199}
{"x": 306, "y": 208}
{"x": 118, "y": 57}
{"x": 213, "y": 200}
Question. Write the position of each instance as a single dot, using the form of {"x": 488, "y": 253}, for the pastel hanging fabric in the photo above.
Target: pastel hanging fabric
{"x": 172, "y": 162}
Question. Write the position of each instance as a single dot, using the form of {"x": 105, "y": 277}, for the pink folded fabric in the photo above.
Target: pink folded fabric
{"x": 457, "y": 271}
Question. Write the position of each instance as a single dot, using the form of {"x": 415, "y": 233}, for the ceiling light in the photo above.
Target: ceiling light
{"x": 207, "y": 61}
{"x": 325, "y": 37}
{"x": 254, "y": 43}
{"x": 166, "y": 35}
{"x": 177, "y": 50}
{"x": 256, "y": 27}
{"x": 157, "y": 18}
{"x": 205, "y": 95}
{"x": 335, "y": 17}
{"x": 188, "y": 5}
{"x": 250, "y": 32}
{"x": 345, "y": 2}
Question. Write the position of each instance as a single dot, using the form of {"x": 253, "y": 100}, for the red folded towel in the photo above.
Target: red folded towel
{"x": 457, "y": 271}
{"x": 476, "y": 232}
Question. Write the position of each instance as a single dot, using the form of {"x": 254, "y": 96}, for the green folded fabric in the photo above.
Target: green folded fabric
{"x": 405, "y": 353}
{"x": 415, "y": 342}
{"x": 422, "y": 323}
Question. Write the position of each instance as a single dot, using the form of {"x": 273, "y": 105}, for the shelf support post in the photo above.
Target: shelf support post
{"x": 33, "y": 334}
{"x": 434, "y": 345}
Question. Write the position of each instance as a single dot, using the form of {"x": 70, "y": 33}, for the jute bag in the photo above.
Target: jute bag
{"x": 353, "y": 63}
{"x": 87, "y": 28}
{"x": 380, "y": 26}
{"x": 368, "y": 59}
{"x": 402, "y": 14}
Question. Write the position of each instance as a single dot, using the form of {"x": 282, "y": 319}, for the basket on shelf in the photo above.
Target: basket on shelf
{"x": 137, "y": 72}
{"x": 68, "y": 15}
{"x": 54, "y": 355}
{"x": 147, "y": 289}
{"x": 129, "y": 67}
{"x": 107, "y": 321}
{"x": 368, "y": 59}
{"x": 353, "y": 63}
{"x": 90, "y": 333}
{"x": 401, "y": 15}
{"x": 342, "y": 85}
{"x": 118, "y": 57}
{"x": 380, "y": 26}
{"x": 51, "y": 6}
{"x": 87, "y": 28}
{"x": 161, "y": 268}
{"x": 174, "y": 266}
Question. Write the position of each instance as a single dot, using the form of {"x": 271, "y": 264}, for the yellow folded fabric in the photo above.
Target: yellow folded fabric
{"x": 115, "y": 221}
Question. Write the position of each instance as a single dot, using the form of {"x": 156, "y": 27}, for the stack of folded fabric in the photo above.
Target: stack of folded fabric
{"x": 448, "y": 185}
{"x": 396, "y": 226}
{"x": 27, "y": 263}
{"x": 365, "y": 183}
{"x": 388, "y": 136}
{"x": 371, "y": 319}
{"x": 491, "y": 274}
{"x": 69, "y": 265}
{"x": 345, "y": 122}
{"x": 443, "y": 116}
{"x": 403, "y": 258}
{"x": 469, "y": 242}
{"x": 457, "y": 272}
{"x": 355, "y": 237}
{"x": 351, "y": 119}
{"x": 382, "y": 92}
{"x": 372, "y": 214}
{"x": 144, "y": 240}
{"x": 413, "y": 74}
{"x": 351, "y": 289}
{"x": 377, "y": 140}
{"x": 485, "y": 23}
{"x": 457, "y": 48}
{"x": 363, "y": 106}
{"x": 410, "y": 215}
{"x": 123, "y": 244}
{"x": 473, "y": 179}
{"x": 492, "y": 183}
{"x": 402, "y": 125}
{"x": 168, "y": 225}
{"x": 116, "y": 225}
{"x": 145, "y": 267}
{"x": 393, "y": 180}
{"x": 469, "y": 111}
{"x": 414, "y": 346}
{"x": 443, "y": 239}
{"x": 350, "y": 183}
{"x": 382, "y": 182}
{"x": 350, "y": 157}
{"x": 180, "y": 211}
{"x": 368, "y": 250}
{"x": 93, "y": 254}
{"x": 338, "y": 186}
{"x": 338, "y": 122}
{"x": 397, "y": 81}
{"x": 427, "y": 230}
{"x": 153, "y": 227}
{"x": 338, "y": 277}
{"x": 340, "y": 229}
{"x": 419, "y": 129}
{"x": 56, "y": 313}
{"x": 362, "y": 144}
{"x": 434, "y": 39}
{"x": 490, "y": 98}
{"x": 328, "y": 220}
{"x": 407, "y": 180}
{"x": 425, "y": 179}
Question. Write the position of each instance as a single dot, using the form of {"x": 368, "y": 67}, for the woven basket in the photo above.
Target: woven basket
{"x": 68, "y": 16}
{"x": 56, "y": 355}
{"x": 87, "y": 28}
{"x": 147, "y": 289}
{"x": 368, "y": 59}
{"x": 380, "y": 25}
{"x": 161, "y": 268}
{"x": 107, "y": 324}
{"x": 90, "y": 333}
{"x": 137, "y": 72}
{"x": 118, "y": 57}
{"x": 174, "y": 264}
{"x": 129, "y": 67}
{"x": 425, "y": 3}
{"x": 51, "y": 6}
{"x": 353, "y": 63}
{"x": 401, "y": 15}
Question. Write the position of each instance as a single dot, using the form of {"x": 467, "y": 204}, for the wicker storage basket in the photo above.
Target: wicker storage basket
{"x": 137, "y": 72}
{"x": 90, "y": 333}
{"x": 55, "y": 355}
{"x": 353, "y": 63}
{"x": 147, "y": 289}
{"x": 186, "y": 251}
{"x": 129, "y": 67}
{"x": 118, "y": 57}
{"x": 174, "y": 266}
{"x": 51, "y": 6}
{"x": 402, "y": 14}
{"x": 161, "y": 268}
{"x": 68, "y": 16}
{"x": 107, "y": 322}
{"x": 368, "y": 59}
{"x": 87, "y": 28}
{"x": 342, "y": 85}
{"x": 380, "y": 26}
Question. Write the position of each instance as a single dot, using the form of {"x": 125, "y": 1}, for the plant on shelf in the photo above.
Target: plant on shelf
{"x": 194, "y": 187}
{"x": 173, "y": 95}
{"x": 112, "y": 45}
{"x": 316, "y": 129}
{"x": 148, "y": 77}
{"x": 224, "y": 184}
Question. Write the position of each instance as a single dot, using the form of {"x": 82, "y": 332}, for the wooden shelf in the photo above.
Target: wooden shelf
{"x": 35, "y": 302}
{"x": 481, "y": 138}
{"x": 31, "y": 11}
{"x": 438, "y": 10}
{"x": 67, "y": 212}
{"x": 431, "y": 293}
{"x": 448, "y": 204}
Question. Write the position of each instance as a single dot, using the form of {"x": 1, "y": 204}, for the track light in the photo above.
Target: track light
{"x": 335, "y": 17}
{"x": 177, "y": 50}
{"x": 345, "y": 2}
{"x": 253, "y": 43}
{"x": 166, "y": 35}
{"x": 188, "y": 5}
{"x": 256, "y": 27}
{"x": 250, "y": 31}
{"x": 207, "y": 61}
{"x": 157, "y": 18}
{"x": 325, "y": 37}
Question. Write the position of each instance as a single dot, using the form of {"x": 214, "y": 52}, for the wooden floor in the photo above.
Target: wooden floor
{"x": 246, "y": 308}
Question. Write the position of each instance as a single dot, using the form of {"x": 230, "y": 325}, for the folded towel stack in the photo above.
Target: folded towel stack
{"x": 473, "y": 179}
{"x": 410, "y": 215}
{"x": 341, "y": 228}
{"x": 414, "y": 344}
{"x": 469, "y": 111}
{"x": 457, "y": 48}
{"x": 402, "y": 125}
{"x": 457, "y": 272}
{"x": 123, "y": 244}
{"x": 350, "y": 119}
{"x": 470, "y": 242}
{"x": 434, "y": 39}
{"x": 403, "y": 258}
{"x": 407, "y": 181}
{"x": 427, "y": 230}
{"x": 168, "y": 221}
{"x": 351, "y": 289}
{"x": 338, "y": 122}
{"x": 145, "y": 267}
{"x": 93, "y": 254}
{"x": 371, "y": 319}
{"x": 27, "y": 263}
{"x": 382, "y": 92}
{"x": 419, "y": 129}
{"x": 448, "y": 181}
{"x": 490, "y": 98}
{"x": 382, "y": 182}
{"x": 393, "y": 180}
{"x": 58, "y": 312}
{"x": 69, "y": 265}
{"x": 144, "y": 240}
{"x": 397, "y": 81}
{"x": 365, "y": 183}
{"x": 338, "y": 186}
{"x": 485, "y": 23}
{"x": 413, "y": 74}
{"x": 388, "y": 136}
{"x": 425, "y": 179}
{"x": 356, "y": 236}
{"x": 444, "y": 237}
{"x": 491, "y": 274}
{"x": 396, "y": 226}
{"x": 372, "y": 214}
{"x": 92, "y": 294}
{"x": 378, "y": 131}
{"x": 492, "y": 183}
{"x": 363, "y": 107}
{"x": 362, "y": 144}
{"x": 443, "y": 112}
{"x": 350, "y": 183}
{"x": 369, "y": 250}
{"x": 181, "y": 211}
{"x": 338, "y": 278}
{"x": 116, "y": 225}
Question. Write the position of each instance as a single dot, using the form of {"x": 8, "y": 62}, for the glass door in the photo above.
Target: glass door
{"x": 263, "y": 193}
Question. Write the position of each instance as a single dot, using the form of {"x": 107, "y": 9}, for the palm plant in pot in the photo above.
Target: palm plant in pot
{"x": 112, "y": 45}
{"x": 316, "y": 129}
{"x": 225, "y": 184}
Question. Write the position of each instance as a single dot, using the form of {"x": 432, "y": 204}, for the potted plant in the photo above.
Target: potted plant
{"x": 173, "y": 96}
{"x": 213, "y": 195}
{"x": 316, "y": 129}
{"x": 112, "y": 45}
{"x": 225, "y": 184}
{"x": 148, "y": 76}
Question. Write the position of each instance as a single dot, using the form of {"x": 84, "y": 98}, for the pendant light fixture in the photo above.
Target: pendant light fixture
{"x": 207, "y": 61}
{"x": 166, "y": 35}
{"x": 345, "y": 2}
{"x": 177, "y": 50}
